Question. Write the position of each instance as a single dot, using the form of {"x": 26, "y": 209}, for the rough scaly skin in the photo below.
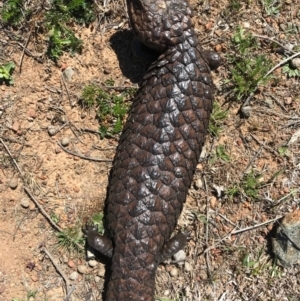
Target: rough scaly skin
{"x": 158, "y": 151}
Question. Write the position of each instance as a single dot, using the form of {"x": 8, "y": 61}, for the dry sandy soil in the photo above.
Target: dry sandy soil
{"x": 221, "y": 264}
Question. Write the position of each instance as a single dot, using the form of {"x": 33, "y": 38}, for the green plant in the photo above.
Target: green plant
{"x": 283, "y": 151}
{"x": 248, "y": 69}
{"x": 290, "y": 71}
{"x": 54, "y": 217}
{"x": 6, "y": 73}
{"x": 97, "y": 220}
{"x": 30, "y": 293}
{"x": 248, "y": 186}
{"x": 220, "y": 155}
{"x": 71, "y": 239}
{"x": 111, "y": 108}
{"x": 271, "y": 7}
{"x": 11, "y": 12}
{"x": 254, "y": 266}
{"x": 62, "y": 39}
{"x": 216, "y": 119}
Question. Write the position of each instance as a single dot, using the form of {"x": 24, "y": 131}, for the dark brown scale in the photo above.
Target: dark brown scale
{"x": 158, "y": 150}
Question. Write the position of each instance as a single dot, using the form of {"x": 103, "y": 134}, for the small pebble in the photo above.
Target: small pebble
{"x": 248, "y": 138}
{"x": 246, "y": 111}
{"x": 213, "y": 202}
{"x": 198, "y": 184}
{"x": 90, "y": 254}
{"x": 74, "y": 275}
{"x": 68, "y": 74}
{"x": 246, "y": 25}
{"x": 65, "y": 141}
{"x": 296, "y": 63}
{"x": 52, "y": 130}
{"x": 82, "y": 269}
{"x": 25, "y": 203}
{"x": 187, "y": 267}
{"x": 166, "y": 292}
{"x": 13, "y": 183}
{"x": 269, "y": 102}
{"x": 93, "y": 263}
{"x": 97, "y": 279}
{"x": 180, "y": 256}
{"x": 288, "y": 100}
{"x": 71, "y": 264}
{"x": 101, "y": 271}
{"x": 174, "y": 272}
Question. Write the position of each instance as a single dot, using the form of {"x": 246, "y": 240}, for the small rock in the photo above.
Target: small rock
{"x": 174, "y": 272}
{"x": 246, "y": 25}
{"x": 187, "y": 267}
{"x": 287, "y": 240}
{"x": 90, "y": 254}
{"x": 269, "y": 102}
{"x": 213, "y": 202}
{"x": 82, "y": 269}
{"x": 25, "y": 203}
{"x": 107, "y": 70}
{"x": 246, "y": 111}
{"x": 34, "y": 277}
{"x": 73, "y": 276}
{"x": 16, "y": 126}
{"x": 166, "y": 292}
{"x": 97, "y": 279}
{"x": 52, "y": 130}
{"x": 248, "y": 138}
{"x": 32, "y": 113}
{"x": 101, "y": 271}
{"x": 65, "y": 141}
{"x": 76, "y": 189}
{"x": 2, "y": 289}
{"x": 68, "y": 74}
{"x": 13, "y": 183}
{"x": 288, "y": 100}
{"x": 71, "y": 264}
{"x": 198, "y": 184}
{"x": 296, "y": 62}
{"x": 179, "y": 257}
{"x": 92, "y": 263}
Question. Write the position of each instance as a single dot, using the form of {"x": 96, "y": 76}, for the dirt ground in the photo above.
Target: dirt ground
{"x": 222, "y": 263}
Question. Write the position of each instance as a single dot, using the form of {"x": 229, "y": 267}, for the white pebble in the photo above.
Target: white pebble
{"x": 296, "y": 63}
{"x": 74, "y": 275}
{"x": 198, "y": 184}
{"x": 174, "y": 272}
{"x": 82, "y": 269}
{"x": 97, "y": 279}
{"x": 166, "y": 292}
{"x": 65, "y": 141}
{"x": 101, "y": 271}
{"x": 52, "y": 130}
{"x": 90, "y": 254}
{"x": 187, "y": 267}
{"x": 180, "y": 256}
{"x": 93, "y": 263}
{"x": 25, "y": 203}
{"x": 13, "y": 183}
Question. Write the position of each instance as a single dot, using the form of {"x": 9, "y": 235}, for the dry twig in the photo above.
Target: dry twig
{"x": 42, "y": 210}
{"x": 82, "y": 156}
{"x": 69, "y": 287}
{"x": 15, "y": 162}
{"x": 23, "y": 52}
